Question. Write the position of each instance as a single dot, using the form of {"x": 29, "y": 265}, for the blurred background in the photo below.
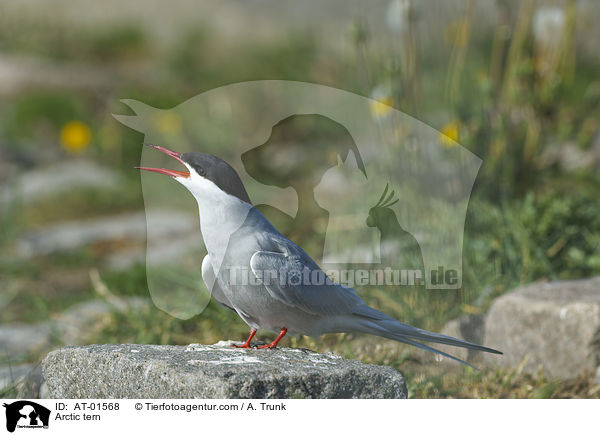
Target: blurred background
{"x": 515, "y": 82}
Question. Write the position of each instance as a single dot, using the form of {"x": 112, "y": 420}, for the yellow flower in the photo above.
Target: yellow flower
{"x": 75, "y": 136}
{"x": 382, "y": 108}
{"x": 449, "y": 134}
{"x": 381, "y": 103}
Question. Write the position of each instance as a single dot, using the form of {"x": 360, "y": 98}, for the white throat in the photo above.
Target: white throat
{"x": 221, "y": 214}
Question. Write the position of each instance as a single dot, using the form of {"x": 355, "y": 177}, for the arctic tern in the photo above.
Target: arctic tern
{"x": 240, "y": 239}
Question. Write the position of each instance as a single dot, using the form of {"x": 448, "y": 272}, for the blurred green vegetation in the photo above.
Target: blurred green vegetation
{"x": 30, "y": 35}
{"x": 506, "y": 94}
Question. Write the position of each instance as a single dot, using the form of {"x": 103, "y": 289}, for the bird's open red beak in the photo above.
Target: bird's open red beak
{"x": 169, "y": 172}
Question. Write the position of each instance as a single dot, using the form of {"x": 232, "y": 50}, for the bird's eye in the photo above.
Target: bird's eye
{"x": 201, "y": 172}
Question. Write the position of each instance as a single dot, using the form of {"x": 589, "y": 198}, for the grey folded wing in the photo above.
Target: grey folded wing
{"x": 295, "y": 280}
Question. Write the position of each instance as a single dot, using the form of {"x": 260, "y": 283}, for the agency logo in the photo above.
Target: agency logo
{"x": 25, "y": 414}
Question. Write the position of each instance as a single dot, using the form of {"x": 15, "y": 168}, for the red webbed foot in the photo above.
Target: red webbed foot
{"x": 247, "y": 344}
{"x": 273, "y": 344}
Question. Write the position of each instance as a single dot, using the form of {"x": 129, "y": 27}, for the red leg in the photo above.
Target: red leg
{"x": 246, "y": 345}
{"x": 273, "y": 345}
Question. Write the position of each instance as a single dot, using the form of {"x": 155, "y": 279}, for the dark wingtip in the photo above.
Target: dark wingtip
{"x": 477, "y": 347}
{"x": 488, "y": 349}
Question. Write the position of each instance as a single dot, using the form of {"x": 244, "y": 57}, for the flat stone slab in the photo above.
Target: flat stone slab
{"x": 212, "y": 372}
{"x": 66, "y": 236}
{"x": 57, "y": 179}
{"x": 552, "y": 326}
{"x": 18, "y": 339}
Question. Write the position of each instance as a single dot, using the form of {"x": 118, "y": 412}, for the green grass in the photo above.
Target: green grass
{"x": 30, "y": 35}
{"x": 426, "y": 383}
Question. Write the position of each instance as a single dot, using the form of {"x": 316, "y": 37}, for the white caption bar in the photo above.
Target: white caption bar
{"x": 301, "y": 416}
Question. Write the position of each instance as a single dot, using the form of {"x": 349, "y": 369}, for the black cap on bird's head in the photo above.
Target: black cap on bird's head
{"x": 207, "y": 166}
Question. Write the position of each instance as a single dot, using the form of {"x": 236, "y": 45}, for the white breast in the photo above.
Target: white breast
{"x": 221, "y": 214}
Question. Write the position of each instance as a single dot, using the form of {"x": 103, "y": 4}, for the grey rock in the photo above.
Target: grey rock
{"x": 56, "y": 179}
{"x": 19, "y": 73}
{"x": 553, "y": 326}
{"x": 18, "y": 339}
{"x": 570, "y": 157}
{"x": 157, "y": 252}
{"x": 71, "y": 235}
{"x": 217, "y": 371}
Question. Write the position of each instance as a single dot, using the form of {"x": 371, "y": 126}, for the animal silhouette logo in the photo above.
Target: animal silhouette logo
{"x": 347, "y": 218}
{"x": 286, "y": 141}
{"x": 26, "y": 414}
{"x": 297, "y": 154}
{"x": 398, "y": 247}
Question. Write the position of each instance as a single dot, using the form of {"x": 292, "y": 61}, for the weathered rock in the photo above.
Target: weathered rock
{"x": 569, "y": 156}
{"x": 19, "y": 73}
{"x": 217, "y": 371}
{"x": 554, "y": 326}
{"x": 18, "y": 339}
{"x": 71, "y": 235}
{"x": 157, "y": 252}
{"x": 56, "y": 179}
